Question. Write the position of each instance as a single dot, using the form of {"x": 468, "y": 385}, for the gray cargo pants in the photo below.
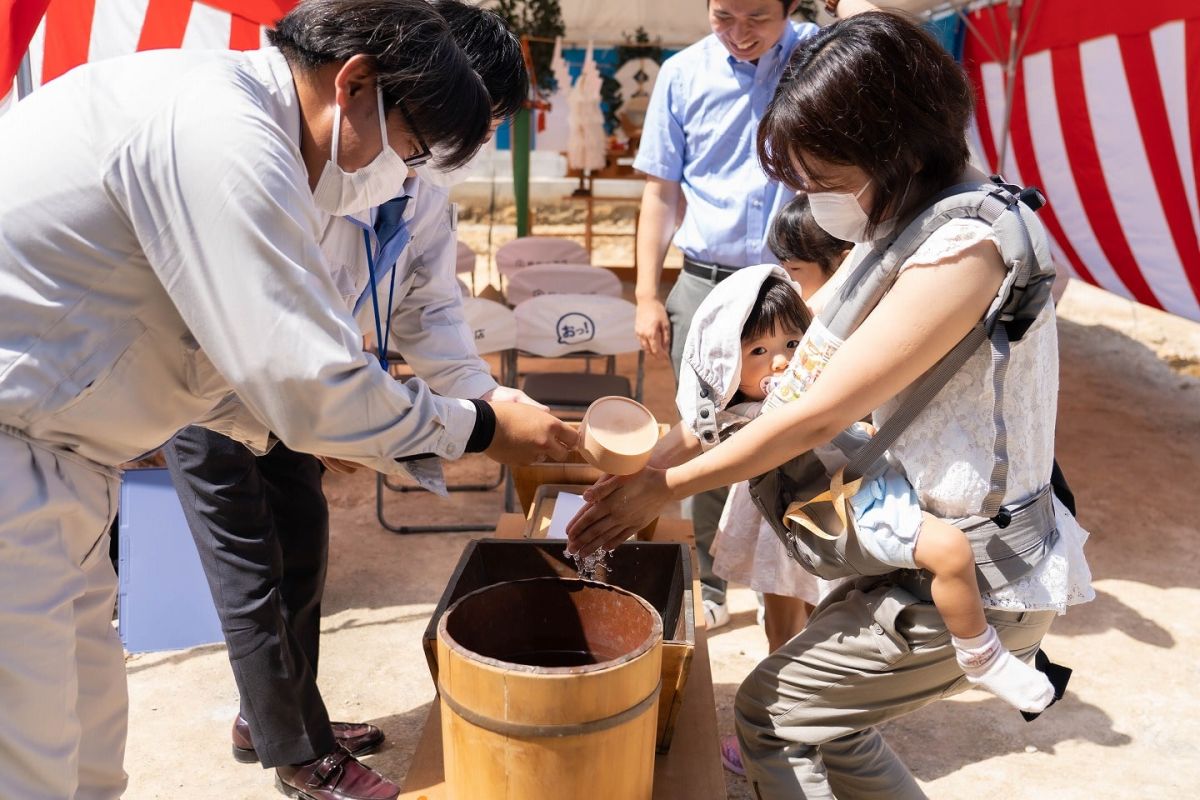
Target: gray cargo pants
{"x": 871, "y": 652}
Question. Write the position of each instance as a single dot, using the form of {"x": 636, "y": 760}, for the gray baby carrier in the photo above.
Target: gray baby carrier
{"x": 1008, "y": 541}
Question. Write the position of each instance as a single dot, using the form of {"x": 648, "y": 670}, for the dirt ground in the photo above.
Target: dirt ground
{"x": 1129, "y": 429}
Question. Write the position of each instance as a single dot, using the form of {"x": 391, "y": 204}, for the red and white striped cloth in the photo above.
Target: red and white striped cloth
{"x": 73, "y": 32}
{"x": 1106, "y": 120}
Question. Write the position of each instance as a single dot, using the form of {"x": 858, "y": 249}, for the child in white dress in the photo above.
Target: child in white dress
{"x": 753, "y": 554}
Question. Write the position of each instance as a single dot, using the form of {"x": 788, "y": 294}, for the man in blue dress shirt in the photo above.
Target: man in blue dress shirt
{"x": 705, "y": 188}
{"x": 698, "y": 154}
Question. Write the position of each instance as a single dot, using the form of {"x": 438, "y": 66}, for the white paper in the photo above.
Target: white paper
{"x": 566, "y": 506}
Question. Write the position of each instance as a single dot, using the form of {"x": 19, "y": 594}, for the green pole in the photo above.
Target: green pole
{"x": 520, "y": 158}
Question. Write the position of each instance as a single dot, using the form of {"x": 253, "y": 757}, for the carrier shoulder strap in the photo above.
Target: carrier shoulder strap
{"x": 1021, "y": 296}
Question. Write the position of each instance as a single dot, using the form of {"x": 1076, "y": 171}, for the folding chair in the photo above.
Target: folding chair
{"x": 511, "y": 257}
{"x": 494, "y": 327}
{"x": 572, "y": 326}
{"x": 540, "y": 279}
{"x": 556, "y": 326}
{"x": 465, "y": 262}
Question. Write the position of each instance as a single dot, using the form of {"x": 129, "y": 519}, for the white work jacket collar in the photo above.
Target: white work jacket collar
{"x": 276, "y": 75}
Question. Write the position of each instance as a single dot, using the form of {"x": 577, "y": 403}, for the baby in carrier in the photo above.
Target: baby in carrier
{"x": 742, "y": 339}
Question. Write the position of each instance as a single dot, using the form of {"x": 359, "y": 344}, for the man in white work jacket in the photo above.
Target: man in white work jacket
{"x": 261, "y": 523}
{"x": 160, "y": 232}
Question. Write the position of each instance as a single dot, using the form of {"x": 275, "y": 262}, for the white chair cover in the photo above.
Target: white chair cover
{"x": 465, "y": 259}
{"x": 554, "y": 325}
{"x": 493, "y": 324}
{"x": 540, "y": 279}
{"x": 519, "y": 253}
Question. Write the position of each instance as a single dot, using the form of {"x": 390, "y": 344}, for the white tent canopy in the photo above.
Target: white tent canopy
{"x": 678, "y": 22}
{"x": 607, "y": 23}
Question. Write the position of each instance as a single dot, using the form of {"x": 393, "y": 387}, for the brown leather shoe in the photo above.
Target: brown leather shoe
{"x": 358, "y": 738}
{"x": 337, "y": 776}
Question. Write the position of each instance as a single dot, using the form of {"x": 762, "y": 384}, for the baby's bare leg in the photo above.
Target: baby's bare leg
{"x": 944, "y": 550}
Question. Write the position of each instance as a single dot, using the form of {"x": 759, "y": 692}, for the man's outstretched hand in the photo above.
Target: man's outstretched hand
{"x": 526, "y": 434}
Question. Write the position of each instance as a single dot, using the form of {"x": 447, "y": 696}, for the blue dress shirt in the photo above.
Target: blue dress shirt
{"x": 700, "y": 131}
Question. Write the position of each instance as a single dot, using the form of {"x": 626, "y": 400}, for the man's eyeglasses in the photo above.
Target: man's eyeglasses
{"x": 424, "y": 154}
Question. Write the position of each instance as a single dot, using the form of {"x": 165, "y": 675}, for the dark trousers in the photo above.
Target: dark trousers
{"x": 261, "y": 527}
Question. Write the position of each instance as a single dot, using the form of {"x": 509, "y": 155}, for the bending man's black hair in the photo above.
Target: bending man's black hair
{"x": 416, "y": 59}
{"x": 493, "y": 50}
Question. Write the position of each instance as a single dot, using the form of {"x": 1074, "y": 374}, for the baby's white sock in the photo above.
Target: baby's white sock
{"x": 989, "y": 664}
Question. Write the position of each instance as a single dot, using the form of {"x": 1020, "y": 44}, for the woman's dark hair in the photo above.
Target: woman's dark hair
{"x": 778, "y": 303}
{"x": 417, "y": 63}
{"x": 878, "y": 93}
{"x": 796, "y": 236}
{"x": 493, "y": 50}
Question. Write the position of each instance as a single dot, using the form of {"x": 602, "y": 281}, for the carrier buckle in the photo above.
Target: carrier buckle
{"x": 1033, "y": 198}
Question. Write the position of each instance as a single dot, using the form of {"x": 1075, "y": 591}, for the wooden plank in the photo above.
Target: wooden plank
{"x": 426, "y": 779}
{"x": 677, "y": 660}
{"x": 690, "y": 771}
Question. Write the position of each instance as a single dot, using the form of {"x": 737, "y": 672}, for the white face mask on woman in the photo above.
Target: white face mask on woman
{"x": 840, "y": 215}
{"x": 344, "y": 193}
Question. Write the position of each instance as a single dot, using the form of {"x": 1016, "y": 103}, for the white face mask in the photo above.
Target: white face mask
{"x": 433, "y": 176}
{"x": 344, "y": 193}
{"x": 840, "y": 215}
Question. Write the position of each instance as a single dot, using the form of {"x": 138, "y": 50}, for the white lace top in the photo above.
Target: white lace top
{"x": 947, "y": 451}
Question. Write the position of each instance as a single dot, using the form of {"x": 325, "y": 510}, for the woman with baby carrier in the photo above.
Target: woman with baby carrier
{"x": 944, "y": 334}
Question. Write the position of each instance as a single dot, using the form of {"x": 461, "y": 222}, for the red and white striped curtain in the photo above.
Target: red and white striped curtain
{"x": 72, "y": 32}
{"x": 1106, "y": 120}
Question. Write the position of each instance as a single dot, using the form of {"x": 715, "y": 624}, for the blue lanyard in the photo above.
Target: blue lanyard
{"x": 382, "y": 332}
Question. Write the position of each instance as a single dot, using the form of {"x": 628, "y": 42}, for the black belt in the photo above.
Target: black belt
{"x": 713, "y": 273}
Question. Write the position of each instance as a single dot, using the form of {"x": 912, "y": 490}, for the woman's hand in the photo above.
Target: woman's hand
{"x": 618, "y": 507}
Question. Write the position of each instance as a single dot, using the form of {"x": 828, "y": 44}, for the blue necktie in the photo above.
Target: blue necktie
{"x": 389, "y": 226}
{"x": 389, "y": 220}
